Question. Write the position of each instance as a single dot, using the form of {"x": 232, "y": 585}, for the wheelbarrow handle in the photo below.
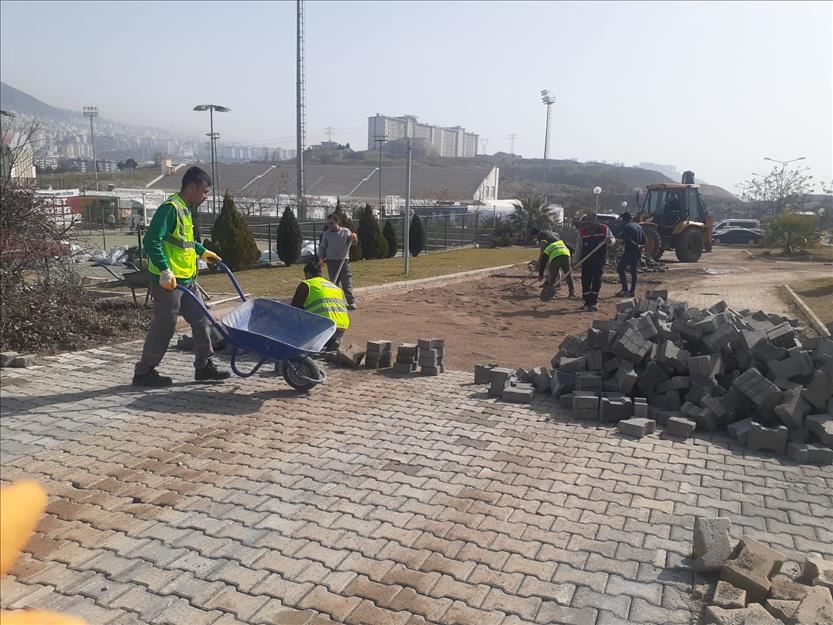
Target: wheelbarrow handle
{"x": 231, "y": 277}
{"x": 186, "y": 292}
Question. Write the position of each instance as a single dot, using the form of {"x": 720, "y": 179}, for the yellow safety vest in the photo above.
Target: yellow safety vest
{"x": 327, "y": 300}
{"x": 556, "y": 249}
{"x": 179, "y": 244}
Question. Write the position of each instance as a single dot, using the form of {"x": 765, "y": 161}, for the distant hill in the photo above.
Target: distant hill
{"x": 12, "y": 99}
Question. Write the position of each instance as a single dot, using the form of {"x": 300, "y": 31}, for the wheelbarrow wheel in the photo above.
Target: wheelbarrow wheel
{"x": 302, "y": 373}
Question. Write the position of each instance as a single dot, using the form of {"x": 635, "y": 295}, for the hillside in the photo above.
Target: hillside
{"x": 12, "y": 99}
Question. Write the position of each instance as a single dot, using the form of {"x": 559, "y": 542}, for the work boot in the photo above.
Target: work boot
{"x": 572, "y": 295}
{"x": 151, "y": 379}
{"x": 210, "y": 373}
{"x": 351, "y": 306}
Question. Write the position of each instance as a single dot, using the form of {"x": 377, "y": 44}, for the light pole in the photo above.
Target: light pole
{"x": 381, "y": 140}
{"x": 597, "y": 191}
{"x": 548, "y": 100}
{"x": 92, "y": 111}
{"x": 784, "y": 164}
{"x": 213, "y": 136}
{"x": 406, "y": 218}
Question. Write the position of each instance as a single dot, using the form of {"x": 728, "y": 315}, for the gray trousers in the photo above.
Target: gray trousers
{"x": 167, "y": 306}
{"x": 345, "y": 278}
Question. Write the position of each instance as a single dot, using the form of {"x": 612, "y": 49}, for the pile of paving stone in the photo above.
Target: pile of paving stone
{"x": 757, "y": 585}
{"x": 665, "y": 362}
{"x": 426, "y": 354}
{"x": 13, "y": 360}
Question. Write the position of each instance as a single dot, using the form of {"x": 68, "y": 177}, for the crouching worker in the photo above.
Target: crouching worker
{"x": 322, "y": 297}
{"x": 172, "y": 260}
{"x": 555, "y": 258}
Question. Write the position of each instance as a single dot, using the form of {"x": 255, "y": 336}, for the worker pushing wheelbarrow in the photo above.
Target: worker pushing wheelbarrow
{"x": 267, "y": 328}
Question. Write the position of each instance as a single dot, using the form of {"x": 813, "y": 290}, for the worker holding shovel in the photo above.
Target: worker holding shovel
{"x": 335, "y": 251}
{"x": 593, "y": 239}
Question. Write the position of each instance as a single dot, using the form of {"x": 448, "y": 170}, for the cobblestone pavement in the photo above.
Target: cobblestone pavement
{"x": 745, "y": 282}
{"x": 374, "y": 500}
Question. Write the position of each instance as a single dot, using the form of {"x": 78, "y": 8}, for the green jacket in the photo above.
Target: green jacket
{"x": 163, "y": 222}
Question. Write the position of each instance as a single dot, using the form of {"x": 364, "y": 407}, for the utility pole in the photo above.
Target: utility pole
{"x": 92, "y": 111}
{"x": 512, "y": 138}
{"x": 381, "y": 140}
{"x": 299, "y": 113}
{"x": 329, "y": 130}
{"x": 406, "y": 218}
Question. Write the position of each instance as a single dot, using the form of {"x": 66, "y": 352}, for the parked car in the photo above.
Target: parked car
{"x": 729, "y": 224}
{"x": 739, "y": 235}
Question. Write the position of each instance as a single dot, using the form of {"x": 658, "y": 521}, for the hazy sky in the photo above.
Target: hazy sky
{"x": 708, "y": 86}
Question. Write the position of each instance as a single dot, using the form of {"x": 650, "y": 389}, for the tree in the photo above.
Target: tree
{"x": 782, "y": 189}
{"x": 370, "y": 235}
{"x": 289, "y": 237}
{"x": 233, "y": 238}
{"x": 793, "y": 231}
{"x": 532, "y": 213}
{"x": 504, "y": 233}
{"x": 389, "y": 232}
{"x": 356, "y": 251}
{"x": 416, "y": 236}
{"x": 131, "y": 165}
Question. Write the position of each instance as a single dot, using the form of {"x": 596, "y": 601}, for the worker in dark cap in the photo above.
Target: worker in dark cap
{"x": 633, "y": 238}
{"x": 320, "y": 296}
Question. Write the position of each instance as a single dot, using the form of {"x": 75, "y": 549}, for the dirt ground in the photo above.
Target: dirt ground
{"x": 498, "y": 318}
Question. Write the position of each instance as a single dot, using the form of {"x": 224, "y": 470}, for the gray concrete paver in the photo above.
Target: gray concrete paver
{"x": 372, "y": 499}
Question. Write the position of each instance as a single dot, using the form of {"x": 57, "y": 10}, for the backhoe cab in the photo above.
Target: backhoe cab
{"x": 674, "y": 217}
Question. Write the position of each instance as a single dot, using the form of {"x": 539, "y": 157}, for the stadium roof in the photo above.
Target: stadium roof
{"x": 359, "y": 182}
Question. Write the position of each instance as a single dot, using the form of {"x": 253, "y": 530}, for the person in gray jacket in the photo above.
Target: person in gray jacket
{"x": 335, "y": 246}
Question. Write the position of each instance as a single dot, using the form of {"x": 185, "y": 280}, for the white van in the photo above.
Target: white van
{"x": 731, "y": 224}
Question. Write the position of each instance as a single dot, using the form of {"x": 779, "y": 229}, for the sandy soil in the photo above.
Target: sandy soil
{"x": 498, "y": 318}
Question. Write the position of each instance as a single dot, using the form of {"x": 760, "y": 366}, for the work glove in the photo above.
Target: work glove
{"x": 167, "y": 280}
{"x": 210, "y": 257}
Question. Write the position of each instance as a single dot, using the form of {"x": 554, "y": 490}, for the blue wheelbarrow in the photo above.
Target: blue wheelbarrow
{"x": 275, "y": 332}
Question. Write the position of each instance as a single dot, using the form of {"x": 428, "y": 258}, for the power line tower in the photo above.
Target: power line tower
{"x": 512, "y": 138}
{"x": 329, "y": 130}
{"x": 300, "y": 103}
{"x": 91, "y": 112}
{"x": 483, "y": 144}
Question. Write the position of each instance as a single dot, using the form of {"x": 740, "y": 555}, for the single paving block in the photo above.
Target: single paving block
{"x": 640, "y": 407}
{"x": 816, "y": 608}
{"x": 680, "y": 427}
{"x": 613, "y": 409}
{"x": 637, "y": 427}
{"x": 572, "y": 365}
{"x": 562, "y": 383}
{"x": 786, "y": 588}
{"x": 712, "y": 544}
{"x": 728, "y": 597}
{"x": 498, "y": 377}
{"x": 752, "y": 568}
{"x": 821, "y": 425}
{"x": 587, "y": 381}
{"x": 782, "y": 335}
{"x": 763, "y": 393}
{"x": 782, "y": 609}
{"x": 793, "y": 410}
{"x": 754, "y": 614}
{"x": 808, "y": 453}
{"x": 519, "y": 393}
{"x": 481, "y": 373}
{"x": 772, "y": 439}
{"x": 739, "y": 430}
{"x": 626, "y": 377}
{"x": 706, "y": 366}
{"x": 819, "y": 390}
{"x": 818, "y": 572}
